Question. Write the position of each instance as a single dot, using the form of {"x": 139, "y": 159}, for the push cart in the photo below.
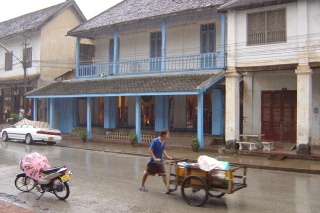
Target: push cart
{"x": 197, "y": 185}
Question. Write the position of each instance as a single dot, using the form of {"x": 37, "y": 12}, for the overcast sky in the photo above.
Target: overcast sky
{"x": 13, "y": 8}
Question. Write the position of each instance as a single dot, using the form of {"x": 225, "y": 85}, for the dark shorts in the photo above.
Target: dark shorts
{"x": 153, "y": 169}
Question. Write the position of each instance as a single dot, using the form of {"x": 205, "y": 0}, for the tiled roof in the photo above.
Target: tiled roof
{"x": 250, "y": 4}
{"x": 33, "y": 21}
{"x": 127, "y": 85}
{"x": 134, "y": 10}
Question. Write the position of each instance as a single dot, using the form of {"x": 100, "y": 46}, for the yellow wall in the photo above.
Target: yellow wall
{"x": 58, "y": 51}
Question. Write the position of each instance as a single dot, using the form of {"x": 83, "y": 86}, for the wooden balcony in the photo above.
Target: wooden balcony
{"x": 201, "y": 62}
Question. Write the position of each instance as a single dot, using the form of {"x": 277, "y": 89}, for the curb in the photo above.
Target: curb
{"x": 275, "y": 168}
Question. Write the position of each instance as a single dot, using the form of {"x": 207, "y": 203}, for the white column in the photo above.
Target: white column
{"x": 303, "y": 53}
{"x": 247, "y": 103}
{"x": 231, "y": 40}
{"x": 232, "y": 106}
{"x": 304, "y": 103}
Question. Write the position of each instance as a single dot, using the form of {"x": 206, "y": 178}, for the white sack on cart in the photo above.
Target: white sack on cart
{"x": 207, "y": 164}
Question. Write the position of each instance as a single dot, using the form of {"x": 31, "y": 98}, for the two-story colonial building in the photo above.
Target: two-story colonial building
{"x": 157, "y": 64}
{"x": 274, "y": 59}
{"x": 34, "y": 50}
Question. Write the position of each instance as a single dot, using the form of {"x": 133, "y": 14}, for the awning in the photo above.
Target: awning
{"x": 161, "y": 84}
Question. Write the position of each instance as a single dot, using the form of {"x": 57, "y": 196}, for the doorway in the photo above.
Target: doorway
{"x": 279, "y": 115}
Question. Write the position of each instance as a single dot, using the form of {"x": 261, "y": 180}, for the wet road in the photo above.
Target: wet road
{"x": 105, "y": 182}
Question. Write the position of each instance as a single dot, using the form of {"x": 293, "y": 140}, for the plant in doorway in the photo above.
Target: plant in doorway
{"x": 83, "y": 135}
{"x": 195, "y": 144}
{"x": 133, "y": 138}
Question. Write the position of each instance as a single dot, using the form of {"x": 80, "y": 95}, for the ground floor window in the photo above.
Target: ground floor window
{"x": 192, "y": 107}
{"x": 122, "y": 111}
{"x": 147, "y": 111}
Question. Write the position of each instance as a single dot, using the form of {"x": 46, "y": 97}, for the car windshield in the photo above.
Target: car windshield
{"x": 25, "y": 123}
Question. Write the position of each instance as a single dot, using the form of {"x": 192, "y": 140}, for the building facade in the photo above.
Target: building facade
{"x": 157, "y": 64}
{"x": 34, "y": 50}
{"x": 273, "y": 59}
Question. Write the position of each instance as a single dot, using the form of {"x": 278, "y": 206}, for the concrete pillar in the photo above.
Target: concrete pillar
{"x": 138, "y": 118}
{"x": 161, "y": 112}
{"x": 77, "y": 56}
{"x": 110, "y": 112}
{"x": 51, "y": 116}
{"x": 89, "y": 131}
{"x": 163, "y": 46}
{"x": 232, "y": 126}
{"x": 304, "y": 108}
{"x": 115, "y": 52}
{"x": 302, "y": 18}
{"x": 247, "y": 103}
{"x": 223, "y": 36}
{"x": 231, "y": 45}
{"x": 217, "y": 112}
{"x": 35, "y": 109}
{"x": 200, "y": 120}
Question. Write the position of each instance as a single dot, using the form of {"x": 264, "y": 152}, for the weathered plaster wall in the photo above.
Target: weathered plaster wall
{"x": 315, "y": 117}
{"x": 57, "y": 51}
{"x": 278, "y": 53}
{"x": 265, "y": 81}
{"x": 16, "y": 46}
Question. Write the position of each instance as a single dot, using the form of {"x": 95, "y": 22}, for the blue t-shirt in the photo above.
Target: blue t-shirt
{"x": 157, "y": 147}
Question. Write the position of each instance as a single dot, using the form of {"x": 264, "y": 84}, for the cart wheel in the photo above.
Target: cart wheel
{"x": 194, "y": 190}
{"x": 216, "y": 194}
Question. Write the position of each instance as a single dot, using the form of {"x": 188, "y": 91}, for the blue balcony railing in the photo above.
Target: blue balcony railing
{"x": 201, "y": 62}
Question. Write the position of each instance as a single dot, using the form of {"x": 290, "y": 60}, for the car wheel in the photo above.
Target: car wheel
{"x": 28, "y": 139}
{"x": 5, "y": 136}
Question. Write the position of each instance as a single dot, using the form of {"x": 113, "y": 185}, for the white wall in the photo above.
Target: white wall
{"x": 16, "y": 45}
{"x": 277, "y": 53}
{"x": 181, "y": 40}
{"x": 267, "y": 81}
{"x": 315, "y": 117}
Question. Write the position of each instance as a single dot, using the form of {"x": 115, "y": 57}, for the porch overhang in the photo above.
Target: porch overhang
{"x": 161, "y": 84}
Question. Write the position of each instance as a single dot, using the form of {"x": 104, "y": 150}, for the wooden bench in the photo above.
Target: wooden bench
{"x": 252, "y": 145}
{"x": 267, "y": 145}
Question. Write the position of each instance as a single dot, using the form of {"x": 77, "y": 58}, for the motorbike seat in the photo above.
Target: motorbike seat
{"x": 50, "y": 170}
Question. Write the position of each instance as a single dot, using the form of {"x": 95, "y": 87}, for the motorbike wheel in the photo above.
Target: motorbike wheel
{"x": 60, "y": 189}
{"x": 25, "y": 184}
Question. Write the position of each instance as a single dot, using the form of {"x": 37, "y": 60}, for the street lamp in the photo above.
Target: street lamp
{"x": 24, "y": 76}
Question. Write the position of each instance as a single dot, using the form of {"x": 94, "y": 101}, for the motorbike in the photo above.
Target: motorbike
{"x": 56, "y": 180}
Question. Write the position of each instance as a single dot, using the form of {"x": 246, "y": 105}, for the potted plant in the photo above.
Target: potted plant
{"x": 133, "y": 138}
{"x": 195, "y": 144}
{"x": 83, "y": 135}
{"x": 14, "y": 118}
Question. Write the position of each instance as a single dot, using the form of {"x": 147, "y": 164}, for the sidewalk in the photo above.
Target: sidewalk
{"x": 260, "y": 160}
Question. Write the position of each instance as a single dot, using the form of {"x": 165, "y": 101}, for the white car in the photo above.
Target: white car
{"x": 30, "y": 132}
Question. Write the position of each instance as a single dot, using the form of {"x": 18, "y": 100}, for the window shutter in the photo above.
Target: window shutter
{"x": 27, "y": 56}
{"x": 8, "y": 61}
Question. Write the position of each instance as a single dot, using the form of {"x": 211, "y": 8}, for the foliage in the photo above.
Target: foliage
{"x": 15, "y": 116}
{"x": 83, "y": 135}
{"x": 195, "y": 145}
{"x": 195, "y": 142}
{"x": 133, "y": 135}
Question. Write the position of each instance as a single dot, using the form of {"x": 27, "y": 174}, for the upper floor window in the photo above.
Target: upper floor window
{"x": 27, "y": 57}
{"x": 8, "y": 61}
{"x": 266, "y": 27}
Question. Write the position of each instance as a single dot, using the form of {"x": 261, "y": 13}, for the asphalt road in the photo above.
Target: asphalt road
{"x": 106, "y": 182}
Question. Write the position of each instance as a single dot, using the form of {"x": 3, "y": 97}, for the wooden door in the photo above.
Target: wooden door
{"x": 278, "y": 115}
